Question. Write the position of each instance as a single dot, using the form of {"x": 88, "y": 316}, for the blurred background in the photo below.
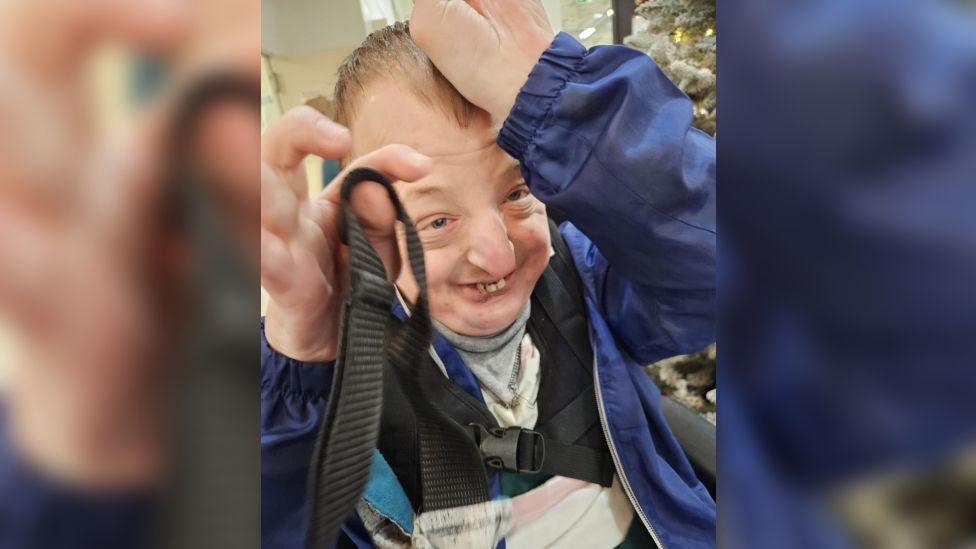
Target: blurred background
{"x": 128, "y": 260}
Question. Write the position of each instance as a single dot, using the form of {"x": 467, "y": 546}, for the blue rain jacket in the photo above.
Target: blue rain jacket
{"x": 604, "y": 138}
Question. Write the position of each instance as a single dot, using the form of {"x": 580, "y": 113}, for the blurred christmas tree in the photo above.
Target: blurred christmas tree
{"x": 680, "y": 36}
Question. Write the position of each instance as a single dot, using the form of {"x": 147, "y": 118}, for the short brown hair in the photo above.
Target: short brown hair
{"x": 390, "y": 50}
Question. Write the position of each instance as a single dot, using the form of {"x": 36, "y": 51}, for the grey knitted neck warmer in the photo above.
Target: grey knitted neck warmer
{"x": 492, "y": 358}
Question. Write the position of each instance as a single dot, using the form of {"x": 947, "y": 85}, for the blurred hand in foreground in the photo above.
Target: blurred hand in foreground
{"x": 73, "y": 242}
{"x": 90, "y": 260}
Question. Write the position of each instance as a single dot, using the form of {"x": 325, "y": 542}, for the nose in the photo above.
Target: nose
{"x": 490, "y": 248}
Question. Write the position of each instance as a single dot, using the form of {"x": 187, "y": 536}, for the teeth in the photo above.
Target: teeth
{"x": 491, "y": 287}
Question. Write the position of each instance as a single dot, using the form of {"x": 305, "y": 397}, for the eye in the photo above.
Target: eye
{"x": 517, "y": 194}
{"x": 436, "y": 226}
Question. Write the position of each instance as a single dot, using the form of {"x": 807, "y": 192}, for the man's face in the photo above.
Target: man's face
{"x": 486, "y": 239}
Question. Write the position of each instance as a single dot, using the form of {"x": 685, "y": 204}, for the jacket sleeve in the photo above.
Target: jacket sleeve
{"x": 293, "y": 403}
{"x": 605, "y": 140}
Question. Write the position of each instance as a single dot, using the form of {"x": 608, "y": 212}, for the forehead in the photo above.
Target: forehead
{"x": 390, "y": 113}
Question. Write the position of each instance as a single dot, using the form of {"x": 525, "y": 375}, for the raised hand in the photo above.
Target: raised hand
{"x": 486, "y": 48}
{"x": 302, "y": 261}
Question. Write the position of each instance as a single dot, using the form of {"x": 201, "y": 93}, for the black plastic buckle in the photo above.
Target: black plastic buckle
{"x": 500, "y": 447}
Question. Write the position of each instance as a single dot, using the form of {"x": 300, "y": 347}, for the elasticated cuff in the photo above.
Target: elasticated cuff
{"x": 555, "y": 68}
{"x": 285, "y": 374}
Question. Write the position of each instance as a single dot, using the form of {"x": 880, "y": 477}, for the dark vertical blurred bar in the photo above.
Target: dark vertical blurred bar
{"x": 214, "y": 501}
{"x": 623, "y": 16}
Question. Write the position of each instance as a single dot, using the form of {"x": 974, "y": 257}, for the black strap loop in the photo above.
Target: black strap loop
{"x": 372, "y": 342}
{"x": 348, "y": 221}
{"x": 342, "y": 457}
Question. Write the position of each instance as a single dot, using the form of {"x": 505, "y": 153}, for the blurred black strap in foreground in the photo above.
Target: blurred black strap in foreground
{"x": 214, "y": 500}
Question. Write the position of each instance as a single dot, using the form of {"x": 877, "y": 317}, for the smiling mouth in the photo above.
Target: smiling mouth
{"x": 492, "y": 287}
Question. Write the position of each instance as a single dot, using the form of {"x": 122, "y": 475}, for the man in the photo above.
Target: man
{"x": 601, "y": 136}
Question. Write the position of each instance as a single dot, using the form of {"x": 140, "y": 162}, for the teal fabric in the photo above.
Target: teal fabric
{"x": 384, "y": 493}
{"x": 513, "y": 484}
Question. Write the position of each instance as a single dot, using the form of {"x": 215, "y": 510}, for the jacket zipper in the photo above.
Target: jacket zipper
{"x": 616, "y": 459}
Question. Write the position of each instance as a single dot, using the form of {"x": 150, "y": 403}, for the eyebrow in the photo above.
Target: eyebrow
{"x": 416, "y": 191}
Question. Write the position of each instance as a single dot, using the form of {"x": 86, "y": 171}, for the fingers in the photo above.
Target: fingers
{"x": 429, "y": 10}
{"x": 520, "y": 19}
{"x": 300, "y": 132}
{"x": 276, "y": 262}
{"x": 372, "y": 203}
{"x": 426, "y": 10}
{"x": 478, "y": 5}
{"x": 435, "y": 24}
{"x": 279, "y": 203}
{"x": 25, "y": 251}
{"x": 397, "y": 162}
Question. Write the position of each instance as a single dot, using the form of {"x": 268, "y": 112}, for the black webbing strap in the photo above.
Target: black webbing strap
{"x": 560, "y": 294}
{"x": 579, "y": 462}
{"x": 565, "y": 258}
{"x": 373, "y": 340}
{"x": 563, "y": 290}
{"x": 342, "y": 456}
{"x": 575, "y": 419}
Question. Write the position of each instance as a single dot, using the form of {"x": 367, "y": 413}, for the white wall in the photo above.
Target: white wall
{"x": 306, "y": 26}
{"x": 555, "y": 12}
